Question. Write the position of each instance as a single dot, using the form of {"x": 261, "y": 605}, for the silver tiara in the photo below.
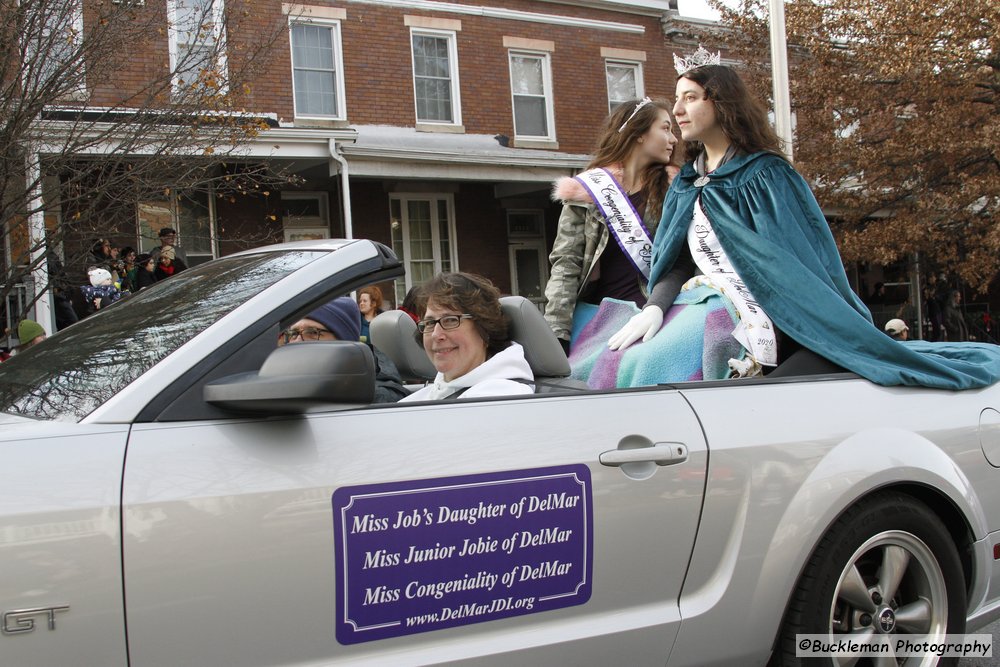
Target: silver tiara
{"x": 643, "y": 102}
{"x": 700, "y": 57}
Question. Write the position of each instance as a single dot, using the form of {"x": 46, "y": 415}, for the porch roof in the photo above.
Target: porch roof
{"x": 403, "y": 152}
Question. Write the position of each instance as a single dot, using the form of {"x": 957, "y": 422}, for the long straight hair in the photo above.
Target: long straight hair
{"x": 742, "y": 116}
{"x": 614, "y": 147}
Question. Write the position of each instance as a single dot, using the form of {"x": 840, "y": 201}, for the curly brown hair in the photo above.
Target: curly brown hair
{"x": 473, "y": 294}
{"x": 375, "y": 294}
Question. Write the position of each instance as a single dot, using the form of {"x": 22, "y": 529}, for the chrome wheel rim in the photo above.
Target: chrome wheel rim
{"x": 891, "y": 585}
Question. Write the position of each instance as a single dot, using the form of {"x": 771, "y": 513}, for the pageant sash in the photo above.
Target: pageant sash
{"x": 623, "y": 220}
{"x": 755, "y": 331}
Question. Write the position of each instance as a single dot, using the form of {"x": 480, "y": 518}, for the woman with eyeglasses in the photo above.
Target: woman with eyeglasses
{"x": 464, "y": 332}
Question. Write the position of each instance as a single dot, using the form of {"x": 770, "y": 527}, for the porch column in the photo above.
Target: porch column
{"x": 36, "y": 239}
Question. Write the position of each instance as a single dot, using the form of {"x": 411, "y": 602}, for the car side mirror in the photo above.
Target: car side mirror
{"x": 337, "y": 375}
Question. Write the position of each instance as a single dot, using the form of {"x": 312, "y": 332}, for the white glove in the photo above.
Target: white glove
{"x": 644, "y": 326}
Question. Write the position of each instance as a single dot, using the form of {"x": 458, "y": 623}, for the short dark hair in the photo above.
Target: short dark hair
{"x": 411, "y": 302}
{"x": 473, "y": 294}
{"x": 167, "y": 231}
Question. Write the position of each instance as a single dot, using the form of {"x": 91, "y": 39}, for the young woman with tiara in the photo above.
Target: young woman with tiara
{"x": 610, "y": 213}
{"x": 739, "y": 219}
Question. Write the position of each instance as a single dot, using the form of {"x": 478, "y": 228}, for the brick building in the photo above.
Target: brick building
{"x": 464, "y": 114}
{"x": 434, "y": 127}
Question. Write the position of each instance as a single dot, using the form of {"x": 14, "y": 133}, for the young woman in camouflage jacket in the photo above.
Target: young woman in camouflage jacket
{"x": 638, "y": 147}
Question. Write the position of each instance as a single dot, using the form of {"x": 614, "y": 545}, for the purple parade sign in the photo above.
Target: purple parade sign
{"x": 439, "y": 553}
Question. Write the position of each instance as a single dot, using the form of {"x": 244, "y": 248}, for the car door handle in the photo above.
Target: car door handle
{"x": 663, "y": 454}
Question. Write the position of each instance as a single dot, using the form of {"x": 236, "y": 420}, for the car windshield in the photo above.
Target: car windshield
{"x": 70, "y": 374}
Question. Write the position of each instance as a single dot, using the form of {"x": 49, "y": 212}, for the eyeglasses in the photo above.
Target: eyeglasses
{"x": 447, "y": 323}
{"x": 306, "y": 333}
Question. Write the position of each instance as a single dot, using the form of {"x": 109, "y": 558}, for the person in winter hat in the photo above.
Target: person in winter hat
{"x": 101, "y": 291}
{"x": 340, "y": 319}
{"x": 29, "y": 332}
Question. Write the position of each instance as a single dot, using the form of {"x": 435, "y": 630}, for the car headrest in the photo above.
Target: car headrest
{"x": 541, "y": 347}
{"x": 392, "y": 333}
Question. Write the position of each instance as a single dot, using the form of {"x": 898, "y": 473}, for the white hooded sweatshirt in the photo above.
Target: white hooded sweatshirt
{"x": 494, "y": 377}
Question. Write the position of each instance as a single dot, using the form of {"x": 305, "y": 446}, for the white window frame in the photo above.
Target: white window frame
{"x": 550, "y": 121}
{"x": 33, "y": 57}
{"x": 456, "y": 97}
{"x": 218, "y": 34}
{"x": 295, "y": 228}
{"x": 433, "y": 198}
{"x": 172, "y": 207}
{"x": 338, "y": 66}
{"x": 640, "y": 86}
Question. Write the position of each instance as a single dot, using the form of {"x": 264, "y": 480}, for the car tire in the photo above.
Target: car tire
{"x": 842, "y": 586}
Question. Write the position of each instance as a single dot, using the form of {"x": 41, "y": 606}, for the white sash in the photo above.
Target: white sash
{"x": 755, "y": 331}
{"x": 623, "y": 220}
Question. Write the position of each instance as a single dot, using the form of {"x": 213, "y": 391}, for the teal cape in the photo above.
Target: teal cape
{"x": 780, "y": 244}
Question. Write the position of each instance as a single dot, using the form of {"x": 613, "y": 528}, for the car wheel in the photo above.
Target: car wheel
{"x": 888, "y": 565}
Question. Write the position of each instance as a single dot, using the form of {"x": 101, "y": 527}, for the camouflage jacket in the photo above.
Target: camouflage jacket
{"x": 581, "y": 237}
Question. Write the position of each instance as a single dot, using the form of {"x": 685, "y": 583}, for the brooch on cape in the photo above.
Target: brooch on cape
{"x": 701, "y": 181}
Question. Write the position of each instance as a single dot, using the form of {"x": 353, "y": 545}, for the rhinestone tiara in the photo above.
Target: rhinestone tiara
{"x": 697, "y": 59}
{"x": 643, "y": 102}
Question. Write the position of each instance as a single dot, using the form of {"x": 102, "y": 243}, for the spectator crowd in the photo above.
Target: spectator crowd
{"x": 113, "y": 272}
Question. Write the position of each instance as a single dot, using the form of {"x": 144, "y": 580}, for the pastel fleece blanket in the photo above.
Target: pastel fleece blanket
{"x": 694, "y": 343}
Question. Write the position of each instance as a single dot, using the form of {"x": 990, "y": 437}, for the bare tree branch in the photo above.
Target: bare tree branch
{"x": 113, "y": 127}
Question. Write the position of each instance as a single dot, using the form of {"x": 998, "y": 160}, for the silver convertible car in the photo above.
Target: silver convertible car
{"x": 177, "y": 490}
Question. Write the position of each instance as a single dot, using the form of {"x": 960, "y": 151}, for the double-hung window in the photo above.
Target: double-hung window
{"x": 197, "y": 44}
{"x": 53, "y": 35}
{"x": 531, "y": 89}
{"x": 435, "y": 76}
{"x": 624, "y": 82}
{"x": 317, "y": 69}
